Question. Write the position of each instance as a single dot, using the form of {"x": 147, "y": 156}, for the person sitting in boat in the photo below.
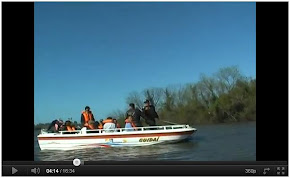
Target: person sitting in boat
{"x": 69, "y": 126}
{"x": 87, "y": 117}
{"x": 116, "y": 123}
{"x": 109, "y": 125}
{"x": 136, "y": 114}
{"x": 149, "y": 113}
{"x": 129, "y": 124}
{"x": 92, "y": 124}
{"x": 100, "y": 126}
{"x": 96, "y": 124}
{"x": 56, "y": 125}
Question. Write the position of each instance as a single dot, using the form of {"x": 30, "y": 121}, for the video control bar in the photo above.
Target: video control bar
{"x": 145, "y": 170}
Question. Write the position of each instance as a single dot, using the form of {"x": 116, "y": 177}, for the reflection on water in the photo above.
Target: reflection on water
{"x": 214, "y": 142}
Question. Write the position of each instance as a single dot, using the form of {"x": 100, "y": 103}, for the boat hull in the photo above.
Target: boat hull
{"x": 113, "y": 139}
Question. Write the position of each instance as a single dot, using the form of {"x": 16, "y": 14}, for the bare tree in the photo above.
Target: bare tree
{"x": 169, "y": 97}
{"x": 208, "y": 86}
{"x": 136, "y": 98}
{"x": 117, "y": 114}
{"x": 228, "y": 77}
{"x": 192, "y": 93}
{"x": 180, "y": 96}
{"x": 155, "y": 96}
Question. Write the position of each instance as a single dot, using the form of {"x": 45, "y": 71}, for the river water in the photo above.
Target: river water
{"x": 222, "y": 142}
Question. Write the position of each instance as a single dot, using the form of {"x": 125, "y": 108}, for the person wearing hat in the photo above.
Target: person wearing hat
{"x": 87, "y": 118}
{"x": 149, "y": 113}
{"x": 136, "y": 114}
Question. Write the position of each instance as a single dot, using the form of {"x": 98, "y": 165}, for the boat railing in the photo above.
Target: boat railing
{"x": 84, "y": 130}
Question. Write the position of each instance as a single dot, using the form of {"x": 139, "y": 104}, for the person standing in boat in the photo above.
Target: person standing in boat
{"x": 56, "y": 125}
{"x": 135, "y": 113}
{"x": 149, "y": 113}
{"x": 87, "y": 118}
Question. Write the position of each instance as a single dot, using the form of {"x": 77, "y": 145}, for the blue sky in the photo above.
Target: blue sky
{"x": 96, "y": 53}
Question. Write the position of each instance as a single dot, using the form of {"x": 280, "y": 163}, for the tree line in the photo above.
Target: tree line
{"x": 225, "y": 96}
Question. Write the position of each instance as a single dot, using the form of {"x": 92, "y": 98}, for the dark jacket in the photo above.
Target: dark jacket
{"x": 150, "y": 114}
{"x": 52, "y": 125}
{"x": 136, "y": 114}
{"x": 83, "y": 118}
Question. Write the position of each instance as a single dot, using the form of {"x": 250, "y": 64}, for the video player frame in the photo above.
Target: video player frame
{"x": 271, "y": 124}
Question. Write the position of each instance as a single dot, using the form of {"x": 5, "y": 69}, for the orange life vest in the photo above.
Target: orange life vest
{"x": 100, "y": 126}
{"x": 87, "y": 116}
{"x": 69, "y": 128}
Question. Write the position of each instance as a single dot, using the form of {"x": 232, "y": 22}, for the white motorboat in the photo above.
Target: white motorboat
{"x": 141, "y": 136}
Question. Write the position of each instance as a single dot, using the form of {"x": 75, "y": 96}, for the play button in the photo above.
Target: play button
{"x": 14, "y": 170}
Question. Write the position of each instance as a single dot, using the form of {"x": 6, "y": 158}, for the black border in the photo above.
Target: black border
{"x": 149, "y": 170}
{"x": 147, "y": 162}
{"x": 272, "y": 81}
{"x": 18, "y": 64}
{"x": 17, "y": 81}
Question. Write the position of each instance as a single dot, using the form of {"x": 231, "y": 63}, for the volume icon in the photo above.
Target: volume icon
{"x": 35, "y": 170}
